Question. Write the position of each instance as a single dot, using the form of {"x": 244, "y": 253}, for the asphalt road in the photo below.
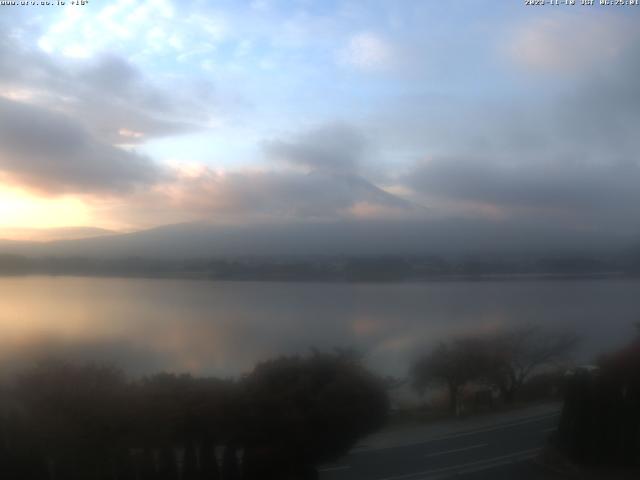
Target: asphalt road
{"x": 499, "y": 451}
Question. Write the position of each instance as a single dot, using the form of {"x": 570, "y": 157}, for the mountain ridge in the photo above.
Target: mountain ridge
{"x": 364, "y": 237}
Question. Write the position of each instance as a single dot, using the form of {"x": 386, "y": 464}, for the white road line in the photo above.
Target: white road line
{"x": 497, "y": 427}
{"x": 480, "y": 445}
{"x": 334, "y": 469}
{"x": 525, "y": 455}
{"x": 469, "y": 467}
{"x": 363, "y": 449}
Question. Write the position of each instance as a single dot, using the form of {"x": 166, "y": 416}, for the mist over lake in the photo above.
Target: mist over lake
{"x": 224, "y": 328}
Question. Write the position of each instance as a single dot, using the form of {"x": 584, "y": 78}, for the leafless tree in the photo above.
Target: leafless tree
{"x": 505, "y": 360}
{"x": 520, "y": 352}
{"x": 452, "y": 364}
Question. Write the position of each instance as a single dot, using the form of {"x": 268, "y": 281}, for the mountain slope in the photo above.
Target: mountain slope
{"x": 366, "y": 237}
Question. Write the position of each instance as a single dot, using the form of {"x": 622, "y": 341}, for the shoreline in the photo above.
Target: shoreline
{"x": 489, "y": 277}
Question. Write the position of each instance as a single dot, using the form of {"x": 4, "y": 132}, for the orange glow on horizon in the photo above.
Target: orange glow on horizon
{"x": 20, "y": 209}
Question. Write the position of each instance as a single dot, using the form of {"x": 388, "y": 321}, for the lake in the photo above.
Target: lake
{"x": 223, "y": 328}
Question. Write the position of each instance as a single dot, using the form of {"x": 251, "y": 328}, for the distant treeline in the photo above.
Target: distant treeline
{"x": 348, "y": 268}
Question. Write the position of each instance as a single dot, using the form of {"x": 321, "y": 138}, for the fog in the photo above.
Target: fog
{"x": 224, "y": 328}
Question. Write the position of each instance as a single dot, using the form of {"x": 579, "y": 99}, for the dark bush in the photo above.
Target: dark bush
{"x": 72, "y": 422}
{"x": 600, "y": 421}
{"x": 307, "y": 410}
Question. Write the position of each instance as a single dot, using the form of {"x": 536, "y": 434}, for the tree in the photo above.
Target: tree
{"x": 178, "y": 419}
{"x": 600, "y": 420}
{"x": 452, "y": 364}
{"x": 519, "y": 352}
{"x": 302, "y": 411}
{"x": 75, "y": 415}
{"x": 77, "y": 422}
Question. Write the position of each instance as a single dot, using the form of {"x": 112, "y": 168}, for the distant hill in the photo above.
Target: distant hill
{"x": 367, "y": 237}
{"x": 51, "y": 234}
{"x": 326, "y": 251}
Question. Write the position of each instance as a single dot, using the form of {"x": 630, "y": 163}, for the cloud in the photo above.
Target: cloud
{"x": 588, "y": 194}
{"x": 570, "y": 160}
{"x": 321, "y": 180}
{"x": 115, "y": 96}
{"x": 278, "y": 195}
{"x": 329, "y": 148}
{"x": 112, "y": 74}
{"x": 53, "y": 153}
{"x": 84, "y": 32}
{"x": 502, "y": 145}
{"x": 367, "y": 51}
{"x": 570, "y": 43}
{"x": 106, "y": 92}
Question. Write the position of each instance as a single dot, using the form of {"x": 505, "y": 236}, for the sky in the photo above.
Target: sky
{"x": 132, "y": 114}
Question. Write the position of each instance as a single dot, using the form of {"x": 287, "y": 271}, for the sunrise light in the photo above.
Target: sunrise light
{"x": 19, "y": 209}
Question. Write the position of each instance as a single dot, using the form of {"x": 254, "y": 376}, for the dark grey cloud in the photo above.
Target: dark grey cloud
{"x": 282, "y": 195}
{"x": 564, "y": 184}
{"x": 329, "y": 185}
{"x": 53, "y": 153}
{"x": 569, "y": 157}
{"x": 111, "y": 73}
{"x": 107, "y": 93}
{"x": 595, "y": 195}
{"x": 328, "y": 188}
{"x": 115, "y": 97}
{"x": 330, "y": 148}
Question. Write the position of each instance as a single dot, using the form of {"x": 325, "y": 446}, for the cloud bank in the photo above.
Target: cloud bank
{"x": 485, "y": 121}
{"x": 53, "y": 153}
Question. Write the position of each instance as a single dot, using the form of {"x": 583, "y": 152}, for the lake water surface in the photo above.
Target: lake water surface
{"x": 223, "y": 328}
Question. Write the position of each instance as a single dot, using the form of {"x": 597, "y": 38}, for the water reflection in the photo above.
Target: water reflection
{"x": 224, "y": 328}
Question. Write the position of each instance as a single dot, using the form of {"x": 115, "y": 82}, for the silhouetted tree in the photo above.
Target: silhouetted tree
{"x": 180, "y": 418}
{"x": 305, "y": 410}
{"x": 74, "y": 415}
{"x": 70, "y": 422}
{"x": 452, "y": 364}
{"x": 600, "y": 421}
{"x": 520, "y": 352}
